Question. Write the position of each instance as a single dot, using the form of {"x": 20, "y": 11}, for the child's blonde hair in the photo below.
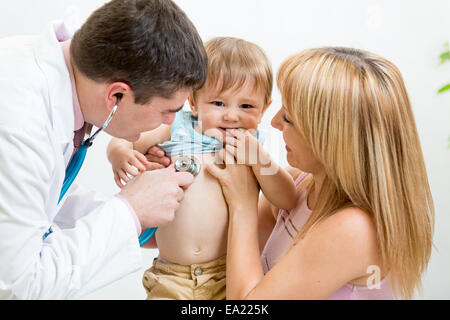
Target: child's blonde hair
{"x": 353, "y": 109}
{"x": 234, "y": 62}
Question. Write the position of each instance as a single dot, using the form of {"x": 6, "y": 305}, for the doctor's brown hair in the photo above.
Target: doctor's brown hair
{"x": 149, "y": 44}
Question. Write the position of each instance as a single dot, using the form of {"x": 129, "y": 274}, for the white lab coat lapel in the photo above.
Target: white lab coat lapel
{"x": 50, "y": 58}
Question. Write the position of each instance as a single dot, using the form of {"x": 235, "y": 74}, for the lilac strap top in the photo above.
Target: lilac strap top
{"x": 287, "y": 226}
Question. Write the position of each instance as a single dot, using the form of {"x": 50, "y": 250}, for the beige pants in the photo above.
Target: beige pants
{"x": 204, "y": 281}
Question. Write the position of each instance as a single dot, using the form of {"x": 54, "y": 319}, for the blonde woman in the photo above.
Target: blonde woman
{"x": 362, "y": 227}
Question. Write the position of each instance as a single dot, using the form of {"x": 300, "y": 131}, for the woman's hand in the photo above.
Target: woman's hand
{"x": 239, "y": 185}
{"x": 240, "y": 189}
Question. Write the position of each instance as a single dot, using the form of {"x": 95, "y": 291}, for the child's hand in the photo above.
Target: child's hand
{"x": 245, "y": 147}
{"x": 126, "y": 164}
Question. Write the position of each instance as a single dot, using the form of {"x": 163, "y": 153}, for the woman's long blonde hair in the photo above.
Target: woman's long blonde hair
{"x": 353, "y": 109}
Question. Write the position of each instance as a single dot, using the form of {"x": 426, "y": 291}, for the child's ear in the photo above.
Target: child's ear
{"x": 193, "y": 107}
{"x": 264, "y": 110}
{"x": 267, "y": 105}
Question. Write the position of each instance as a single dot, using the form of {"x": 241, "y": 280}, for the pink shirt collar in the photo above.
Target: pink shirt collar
{"x": 78, "y": 115}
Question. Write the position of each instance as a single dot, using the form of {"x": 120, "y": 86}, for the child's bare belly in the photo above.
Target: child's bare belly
{"x": 199, "y": 231}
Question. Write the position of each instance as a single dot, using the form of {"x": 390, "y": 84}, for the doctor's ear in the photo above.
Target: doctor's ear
{"x": 115, "y": 92}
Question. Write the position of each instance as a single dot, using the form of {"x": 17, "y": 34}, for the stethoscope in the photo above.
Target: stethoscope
{"x": 184, "y": 163}
{"x": 78, "y": 158}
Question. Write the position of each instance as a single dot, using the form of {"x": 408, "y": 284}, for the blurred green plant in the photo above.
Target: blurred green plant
{"x": 445, "y": 56}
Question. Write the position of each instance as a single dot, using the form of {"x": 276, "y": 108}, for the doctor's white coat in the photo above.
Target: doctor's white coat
{"x": 94, "y": 242}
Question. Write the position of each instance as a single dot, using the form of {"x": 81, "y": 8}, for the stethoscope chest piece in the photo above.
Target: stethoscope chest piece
{"x": 188, "y": 164}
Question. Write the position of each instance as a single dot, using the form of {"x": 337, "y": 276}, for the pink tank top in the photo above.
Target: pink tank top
{"x": 287, "y": 226}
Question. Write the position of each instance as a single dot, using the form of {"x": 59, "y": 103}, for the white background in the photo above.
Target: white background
{"x": 410, "y": 33}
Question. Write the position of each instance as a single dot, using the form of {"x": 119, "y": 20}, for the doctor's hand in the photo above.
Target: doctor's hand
{"x": 156, "y": 195}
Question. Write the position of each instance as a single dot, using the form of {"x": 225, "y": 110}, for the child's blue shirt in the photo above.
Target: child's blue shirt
{"x": 185, "y": 140}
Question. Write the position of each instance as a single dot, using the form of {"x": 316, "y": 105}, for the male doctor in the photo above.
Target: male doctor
{"x": 144, "y": 57}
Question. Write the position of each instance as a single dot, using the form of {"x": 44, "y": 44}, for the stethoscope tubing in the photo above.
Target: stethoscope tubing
{"x": 146, "y": 235}
{"x": 78, "y": 158}
{"x": 75, "y": 165}
{"x": 73, "y": 168}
